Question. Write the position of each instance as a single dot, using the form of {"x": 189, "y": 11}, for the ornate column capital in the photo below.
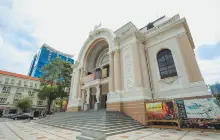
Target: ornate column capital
{"x": 115, "y": 50}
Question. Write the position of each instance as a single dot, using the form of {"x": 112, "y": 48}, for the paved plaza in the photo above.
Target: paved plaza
{"x": 23, "y": 130}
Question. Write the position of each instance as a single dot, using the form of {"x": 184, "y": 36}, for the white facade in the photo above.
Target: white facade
{"x": 14, "y": 87}
{"x": 136, "y": 75}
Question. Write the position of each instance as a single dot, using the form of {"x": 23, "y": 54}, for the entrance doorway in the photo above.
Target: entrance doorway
{"x": 92, "y": 101}
{"x": 103, "y": 101}
{"x": 36, "y": 113}
{"x": 1, "y": 112}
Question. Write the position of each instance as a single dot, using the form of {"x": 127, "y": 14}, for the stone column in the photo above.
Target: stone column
{"x": 137, "y": 66}
{"x": 78, "y": 83}
{"x": 97, "y": 104}
{"x": 80, "y": 79}
{"x": 86, "y": 105}
{"x": 145, "y": 71}
{"x": 83, "y": 99}
{"x": 111, "y": 76}
{"x": 117, "y": 70}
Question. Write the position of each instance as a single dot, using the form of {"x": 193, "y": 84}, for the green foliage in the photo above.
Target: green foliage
{"x": 56, "y": 72}
{"x": 48, "y": 92}
{"x": 24, "y": 104}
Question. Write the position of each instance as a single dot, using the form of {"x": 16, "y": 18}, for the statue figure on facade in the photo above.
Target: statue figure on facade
{"x": 97, "y": 98}
{"x": 87, "y": 96}
{"x": 94, "y": 31}
{"x": 98, "y": 94}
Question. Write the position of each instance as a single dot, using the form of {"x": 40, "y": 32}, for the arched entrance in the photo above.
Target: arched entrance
{"x": 96, "y": 75}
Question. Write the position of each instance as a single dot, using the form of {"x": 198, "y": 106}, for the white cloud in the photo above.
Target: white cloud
{"x": 15, "y": 60}
{"x": 1, "y": 41}
{"x": 65, "y": 25}
{"x": 210, "y": 70}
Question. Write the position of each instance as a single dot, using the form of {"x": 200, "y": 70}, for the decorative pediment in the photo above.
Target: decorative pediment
{"x": 125, "y": 30}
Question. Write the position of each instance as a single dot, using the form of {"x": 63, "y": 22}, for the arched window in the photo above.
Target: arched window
{"x": 166, "y": 64}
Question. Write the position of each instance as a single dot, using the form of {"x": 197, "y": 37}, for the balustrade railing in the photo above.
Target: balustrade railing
{"x": 101, "y": 74}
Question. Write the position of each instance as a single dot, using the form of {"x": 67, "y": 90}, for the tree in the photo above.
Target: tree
{"x": 64, "y": 81}
{"x": 48, "y": 93}
{"x": 48, "y": 89}
{"x": 56, "y": 77}
{"x": 24, "y": 104}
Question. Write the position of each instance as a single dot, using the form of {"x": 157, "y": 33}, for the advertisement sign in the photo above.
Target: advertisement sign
{"x": 202, "y": 108}
{"x": 104, "y": 73}
{"x": 160, "y": 110}
{"x": 181, "y": 109}
{"x": 64, "y": 104}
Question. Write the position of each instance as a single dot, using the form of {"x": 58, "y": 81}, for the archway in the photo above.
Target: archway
{"x": 96, "y": 65}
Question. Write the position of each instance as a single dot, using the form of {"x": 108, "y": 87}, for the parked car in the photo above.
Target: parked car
{"x": 5, "y": 115}
{"x": 11, "y": 114}
{"x": 22, "y": 116}
{"x": 8, "y": 115}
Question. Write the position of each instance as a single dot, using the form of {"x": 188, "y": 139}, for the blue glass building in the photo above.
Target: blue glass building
{"x": 43, "y": 57}
{"x": 215, "y": 89}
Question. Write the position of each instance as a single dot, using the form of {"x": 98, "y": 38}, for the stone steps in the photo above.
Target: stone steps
{"x": 69, "y": 120}
{"x": 109, "y": 123}
{"x": 98, "y": 126}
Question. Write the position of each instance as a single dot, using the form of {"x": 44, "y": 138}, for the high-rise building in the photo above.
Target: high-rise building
{"x": 43, "y": 57}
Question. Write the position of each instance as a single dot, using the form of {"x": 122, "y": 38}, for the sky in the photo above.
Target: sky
{"x": 65, "y": 25}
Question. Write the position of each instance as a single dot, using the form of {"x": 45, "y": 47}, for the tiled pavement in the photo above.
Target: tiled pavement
{"x": 168, "y": 134}
{"x": 20, "y": 130}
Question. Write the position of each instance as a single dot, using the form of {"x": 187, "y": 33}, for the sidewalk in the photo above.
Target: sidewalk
{"x": 23, "y": 130}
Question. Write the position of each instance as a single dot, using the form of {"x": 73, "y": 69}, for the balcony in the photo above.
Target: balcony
{"x": 15, "y": 101}
{"x": 3, "y": 100}
{"x": 18, "y": 95}
{"x": 98, "y": 74}
{"x": 40, "y": 103}
{"x": 98, "y": 77}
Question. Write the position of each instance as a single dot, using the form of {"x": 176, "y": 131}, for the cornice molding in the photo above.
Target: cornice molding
{"x": 161, "y": 26}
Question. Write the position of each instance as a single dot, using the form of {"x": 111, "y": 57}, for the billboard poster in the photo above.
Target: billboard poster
{"x": 104, "y": 73}
{"x": 160, "y": 110}
{"x": 202, "y": 108}
{"x": 64, "y": 104}
{"x": 181, "y": 109}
